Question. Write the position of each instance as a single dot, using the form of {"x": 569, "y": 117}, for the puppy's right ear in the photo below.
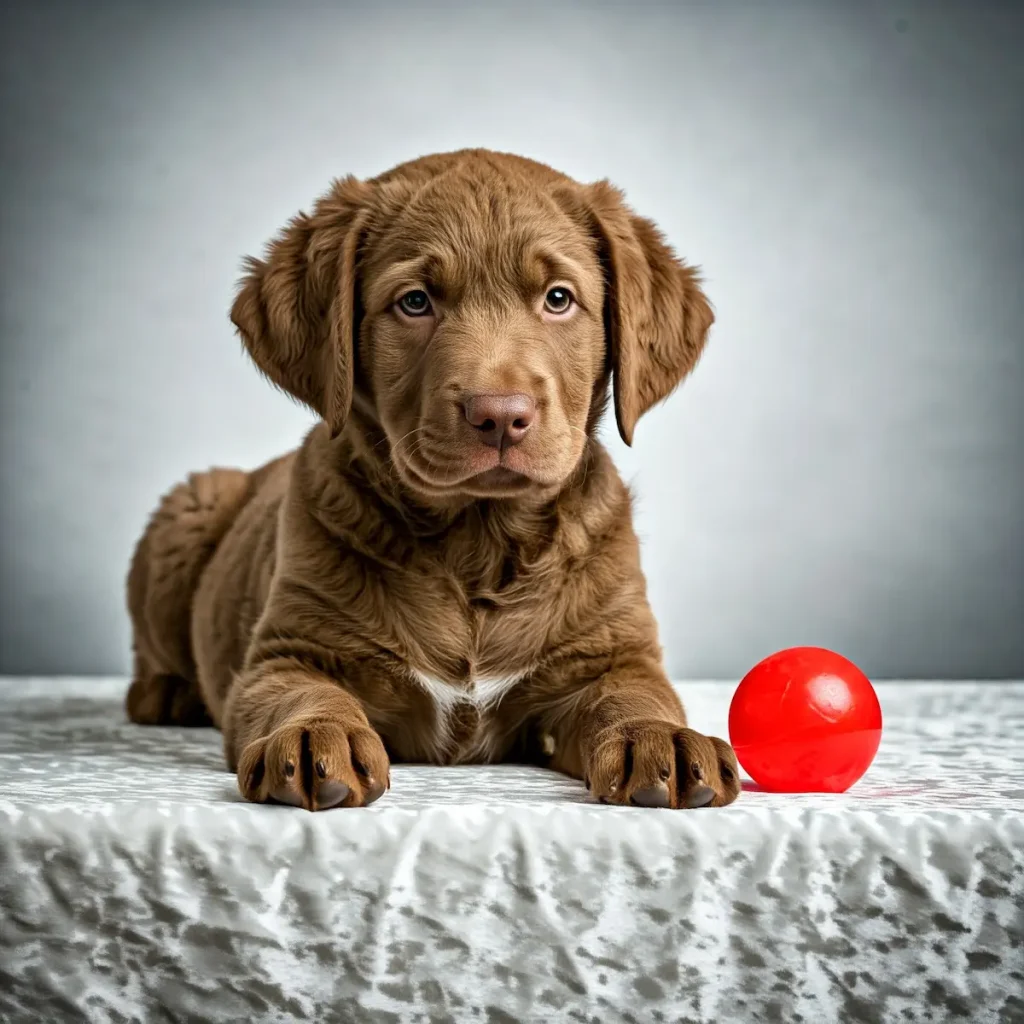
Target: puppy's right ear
{"x": 296, "y": 309}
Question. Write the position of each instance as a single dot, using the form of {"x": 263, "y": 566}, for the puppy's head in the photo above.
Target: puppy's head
{"x": 471, "y": 306}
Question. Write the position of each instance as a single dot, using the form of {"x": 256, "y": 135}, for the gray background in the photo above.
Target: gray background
{"x": 845, "y": 467}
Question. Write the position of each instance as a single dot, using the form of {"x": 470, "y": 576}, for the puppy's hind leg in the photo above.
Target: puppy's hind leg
{"x": 176, "y": 546}
{"x": 164, "y": 699}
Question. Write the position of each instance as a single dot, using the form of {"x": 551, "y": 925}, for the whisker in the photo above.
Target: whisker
{"x": 415, "y": 430}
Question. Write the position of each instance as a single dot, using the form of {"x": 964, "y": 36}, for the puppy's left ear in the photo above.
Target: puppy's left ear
{"x": 656, "y": 315}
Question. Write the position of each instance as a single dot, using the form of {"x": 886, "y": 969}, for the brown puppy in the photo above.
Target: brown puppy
{"x": 446, "y": 570}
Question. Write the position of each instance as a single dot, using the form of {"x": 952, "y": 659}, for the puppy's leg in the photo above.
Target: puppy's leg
{"x": 297, "y": 737}
{"x": 625, "y": 734}
{"x": 175, "y": 547}
{"x": 163, "y": 699}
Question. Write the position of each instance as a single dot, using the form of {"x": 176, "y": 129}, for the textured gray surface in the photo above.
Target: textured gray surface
{"x": 135, "y": 885}
{"x": 843, "y": 469}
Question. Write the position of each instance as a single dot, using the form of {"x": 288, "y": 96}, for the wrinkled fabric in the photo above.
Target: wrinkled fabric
{"x": 135, "y": 885}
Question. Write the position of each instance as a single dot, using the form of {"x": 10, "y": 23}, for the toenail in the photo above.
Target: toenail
{"x": 321, "y": 769}
{"x": 699, "y": 796}
{"x": 288, "y": 797}
{"x": 652, "y": 796}
{"x": 330, "y": 794}
{"x": 289, "y": 769}
{"x": 664, "y": 773}
{"x": 695, "y": 770}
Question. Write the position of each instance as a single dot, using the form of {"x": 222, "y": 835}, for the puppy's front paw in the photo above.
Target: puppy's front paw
{"x": 651, "y": 763}
{"x": 315, "y": 765}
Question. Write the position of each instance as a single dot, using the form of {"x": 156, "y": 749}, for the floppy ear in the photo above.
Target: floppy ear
{"x": 296, "y": 308}
{"x": 656, "y": 315}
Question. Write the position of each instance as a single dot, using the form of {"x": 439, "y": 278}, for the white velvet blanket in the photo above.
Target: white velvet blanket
{"x": 135, "y": 884}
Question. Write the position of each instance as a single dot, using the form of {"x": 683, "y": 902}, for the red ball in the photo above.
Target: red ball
{"x": 805, "y": 720}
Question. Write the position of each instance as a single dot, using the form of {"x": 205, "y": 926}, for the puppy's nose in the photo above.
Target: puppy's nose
{"x": 501, "y": 420}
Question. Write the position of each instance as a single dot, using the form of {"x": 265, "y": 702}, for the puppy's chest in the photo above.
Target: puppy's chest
{"x": 470, "y": 667}
{"x": 467, "y": 716}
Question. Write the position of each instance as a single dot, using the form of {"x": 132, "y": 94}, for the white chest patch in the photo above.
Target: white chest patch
{"x": 483, "y": 694}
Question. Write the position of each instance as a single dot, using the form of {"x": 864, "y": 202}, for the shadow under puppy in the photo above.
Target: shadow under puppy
{"x": 446, "y": 569}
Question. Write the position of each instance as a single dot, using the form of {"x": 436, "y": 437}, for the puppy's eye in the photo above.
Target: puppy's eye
{"x": 558, "y": 300}
{"x": 415, "y": 303}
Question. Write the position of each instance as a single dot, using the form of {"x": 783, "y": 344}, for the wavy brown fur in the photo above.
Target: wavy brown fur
{"x": 314, "y": 609}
